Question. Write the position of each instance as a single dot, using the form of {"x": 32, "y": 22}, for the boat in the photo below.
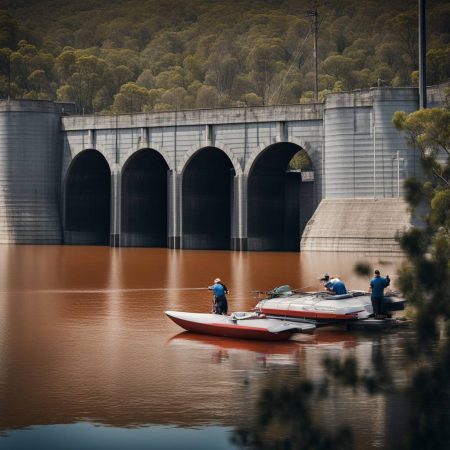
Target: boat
{"x": 248, "y": 325}
{"x": 321, "y": 308}
{"x": 372, "y": 324}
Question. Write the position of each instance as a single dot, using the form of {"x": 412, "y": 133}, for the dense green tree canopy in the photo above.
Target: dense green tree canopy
{"x": 209, "y": 53}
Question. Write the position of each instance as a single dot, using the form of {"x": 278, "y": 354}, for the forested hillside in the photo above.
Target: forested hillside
{"x": 152, "y": 55}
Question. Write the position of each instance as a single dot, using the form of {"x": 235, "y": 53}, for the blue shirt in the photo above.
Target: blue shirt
{"x": 378, "y": 284}
{"x": 218, "y": 289}
{"x": 337, "y": 286}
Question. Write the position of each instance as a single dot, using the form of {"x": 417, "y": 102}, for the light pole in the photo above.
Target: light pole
{"x": 398, "y": 159}
{"x": 422, "y": 56}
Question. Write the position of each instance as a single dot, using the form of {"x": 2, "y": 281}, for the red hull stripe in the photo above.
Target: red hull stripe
{"x": 231, "y": 330}
{"x": 308, "y": 314}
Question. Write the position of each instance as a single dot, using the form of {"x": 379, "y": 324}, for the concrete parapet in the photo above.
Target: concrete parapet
{"x": 196, "y": 117}
{"x": 360, "y": 225}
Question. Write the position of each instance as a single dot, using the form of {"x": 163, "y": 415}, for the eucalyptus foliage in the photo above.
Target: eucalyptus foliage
{"x": 103, "y": 54}
{"x": 289, "y": 414}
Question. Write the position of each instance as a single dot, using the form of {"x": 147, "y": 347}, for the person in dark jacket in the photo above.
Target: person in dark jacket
{"x": 377, "y": 285}
{"x": 220, "y": 300}
{"x": 333, "y": 285}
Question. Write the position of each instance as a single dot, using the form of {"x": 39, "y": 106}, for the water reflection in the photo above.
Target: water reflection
{"x": 243, "y": 353}
{"x": 84, "y": 338}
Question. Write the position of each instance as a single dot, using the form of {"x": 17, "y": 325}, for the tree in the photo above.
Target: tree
{"x": 174, "y": 98}
{"x": 239, "y": 47}
{"x": 263, "y": 65}
{"x": 425, "y": 278}
{"x": 285, "y": 417}
{"x": 11, "y": 31}
{"x": 428, "y": 130}
{"x": 38, "y": 81}
{"x": 131, "y": 98}
{"x": 193, "y": 68}
{"x": 64, "y": 64}
{"x": 340, "y": 68}
{"x": 207, "y": 97}
{"x": 438, "y": 65}
{"x": 403, "y": 30}
{"x": 301, "y": 161}
{"x": 251, "y": 99}
{"x": 223, "y": 69}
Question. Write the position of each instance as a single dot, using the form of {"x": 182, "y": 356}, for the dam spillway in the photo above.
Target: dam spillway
{"x": 207, "y": 179}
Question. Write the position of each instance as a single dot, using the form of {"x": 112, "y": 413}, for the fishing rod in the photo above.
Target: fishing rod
{"x": 106, "y": 290}
{"x": 302, "y": 289}
{"x": 271, "y": 291}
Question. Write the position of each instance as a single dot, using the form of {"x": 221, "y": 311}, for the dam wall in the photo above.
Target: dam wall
{"x": 30, "y": 172}
{"x": 366, "y": 162}
{"x": 155, "y": 179}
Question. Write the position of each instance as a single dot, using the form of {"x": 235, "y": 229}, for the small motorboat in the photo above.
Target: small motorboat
{"x": 321, "y": 308}
{"x": 239, "y": 325}
{"x": 373, "y": 324}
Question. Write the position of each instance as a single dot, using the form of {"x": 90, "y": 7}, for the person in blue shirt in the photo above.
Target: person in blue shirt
{"x": 220, "y": 300}
{"x": 377, "y": 285}
{"x": 334, "y": 285}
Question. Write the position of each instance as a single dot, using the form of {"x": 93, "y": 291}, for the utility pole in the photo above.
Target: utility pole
{"x": 313, "y": 13}
{"x": 9, "y": 77}
{"x": 422, "y": 56}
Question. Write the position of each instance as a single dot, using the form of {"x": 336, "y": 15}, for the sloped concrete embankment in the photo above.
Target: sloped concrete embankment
{"x": 356, "y": 225}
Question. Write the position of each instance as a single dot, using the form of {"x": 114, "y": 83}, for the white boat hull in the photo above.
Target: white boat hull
{"x": 248, "y": 328}
{"x": 318, "y": 307}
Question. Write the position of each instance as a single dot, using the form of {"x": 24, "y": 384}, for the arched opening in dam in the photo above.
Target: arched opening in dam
{"x": 144, "y": 200}
{"x": 207, "y": 200}
{"x": 280, "y": 202}
{"x": 87, "y": 200}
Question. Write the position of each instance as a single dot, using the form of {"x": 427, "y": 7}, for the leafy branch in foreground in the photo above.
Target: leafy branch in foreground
{"x": 425, "y": 278}
{"x": 289, "y": 414}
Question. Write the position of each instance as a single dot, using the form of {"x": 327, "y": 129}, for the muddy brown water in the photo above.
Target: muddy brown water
{"x": 88, "y": 358}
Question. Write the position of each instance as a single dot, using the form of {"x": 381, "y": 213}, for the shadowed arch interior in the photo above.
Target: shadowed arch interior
{"x": 207, "y": 192}
{"x": 144, "y": 200}
{"x": 274, "y": 197}
{"x": 87, "y": 200}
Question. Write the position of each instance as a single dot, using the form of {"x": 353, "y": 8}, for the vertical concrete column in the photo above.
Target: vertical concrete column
{"x": 116, "y": 204}
{"x": 92, "y": 139}
{"x": 174, "y": 209}
{"x": 281, "y": 132}
{"x": 143, "y": 138}
{"x": 209, "y": 136}
{"x": 239, "y": 237}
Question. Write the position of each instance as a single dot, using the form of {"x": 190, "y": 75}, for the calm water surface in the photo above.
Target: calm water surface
{"x": 89, "y": 360}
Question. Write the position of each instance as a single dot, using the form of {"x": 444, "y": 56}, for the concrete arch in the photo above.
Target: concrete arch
{"x": 129, "y": 154}
{"x": 207, "y": 184}
{"x": 87, "y": 199}
{"x": 261, "y": 148}
{"x": 143, "y": 196}
{"x": 75, "y": 153}
{"x": 275, "y": 199}
{"x": 220, "y": 146}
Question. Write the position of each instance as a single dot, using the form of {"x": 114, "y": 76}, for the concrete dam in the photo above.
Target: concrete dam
{"x": 208, "y": 179}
